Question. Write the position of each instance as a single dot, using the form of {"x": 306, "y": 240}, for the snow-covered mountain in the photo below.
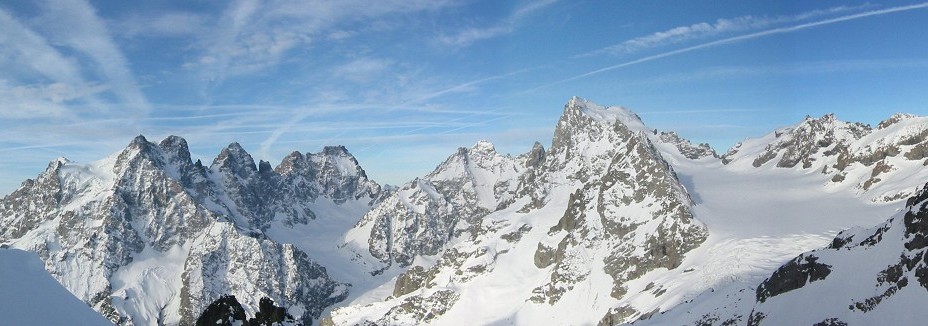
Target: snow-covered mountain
{"x": 148, "y": 236}
{"x": 536, "y": 232}
{"x": 613, "y": 223}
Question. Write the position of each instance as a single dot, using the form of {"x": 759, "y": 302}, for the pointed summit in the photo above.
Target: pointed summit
{"x": 611, "y": 114}
{"x": 483, "y": 146}
{"x": 293, "y": 163}
{"x": 236, "y": 160}
{"x": 141, "y": 144}
{"x": 176, "y": 150}
{"x": 339, "y": 175}
{"x": 140, "y": 140}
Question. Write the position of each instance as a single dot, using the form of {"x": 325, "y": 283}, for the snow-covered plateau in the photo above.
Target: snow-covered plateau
{"x": 824, "y": 222}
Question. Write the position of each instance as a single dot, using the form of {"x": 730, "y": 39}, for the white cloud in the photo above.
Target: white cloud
{"x": 470, "y": 35}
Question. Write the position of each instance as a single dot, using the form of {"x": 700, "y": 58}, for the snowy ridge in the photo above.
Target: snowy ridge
{"x": 876, "y": 162}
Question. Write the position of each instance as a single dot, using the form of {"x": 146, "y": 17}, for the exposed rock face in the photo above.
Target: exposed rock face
{"x": 92, "y": 223}
{"x": 687, "y": 148}
{"x": 223, "y": 261}
{"x": 793, "y": 275}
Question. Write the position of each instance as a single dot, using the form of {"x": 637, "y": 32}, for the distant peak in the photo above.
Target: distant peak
{"x": 236, "y": 159}
{"x": 610, "y": 114}
{"x": 57, "y": 163}
{"x": 483, "y": 146}
{"x": 894, "y": 119}
{"x": 538, "y": 147}
{"x": 139, "y": 140}
{"x": 173, "y": 141}
{"x": 295, "y": 155}
{"x": 335, "y": 150}
{"x": 235, "y": 146}
{"x": 830, "y": 117}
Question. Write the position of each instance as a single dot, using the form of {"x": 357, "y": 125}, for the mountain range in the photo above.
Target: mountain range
{"x": 823, "y": 222}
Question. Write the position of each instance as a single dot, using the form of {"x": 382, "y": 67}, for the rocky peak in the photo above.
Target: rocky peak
{"x": 139, "y": 141}
{"x": 140, "y": 154}
{"x": 235, "y": 160}
{"x": 293, "y": 163}
{"x": 176, "y": 149}
{"x": 339, "y": 174}
{"x": 807, "y": 142}
{"x": 536, "y": 156}
{"x": 483, "y": 146}
{"x": 894, "y": 119}
{"x": 586, "y": 136}
{"x": 337, "y": 151}
{"x": 610, "y": 114}
{"x": 56, "y": 164}
{"x": 687, "y": 148}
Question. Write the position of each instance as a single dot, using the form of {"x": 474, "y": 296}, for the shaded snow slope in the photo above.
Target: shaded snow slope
{"x": 876, "y": 275}
{"x": 32, "y": 297}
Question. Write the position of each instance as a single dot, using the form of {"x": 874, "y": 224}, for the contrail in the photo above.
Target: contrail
{"x": 735, "y": 39}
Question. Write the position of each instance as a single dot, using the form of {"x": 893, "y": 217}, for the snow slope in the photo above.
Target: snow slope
{"x": 32, "y": 297}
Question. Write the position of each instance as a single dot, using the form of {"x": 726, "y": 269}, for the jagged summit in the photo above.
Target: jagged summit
{"x": 483, "y": 146}
{"x": 846, "y": 153}
{"x": 894, "y": 119}
{"x": 809, "y": 141}
{"x": 610, "y": 114}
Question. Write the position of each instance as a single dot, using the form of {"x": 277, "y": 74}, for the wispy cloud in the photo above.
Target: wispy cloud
{"x": 362, "y": 70}
{"x": 44, "y": 82}
{"x": 741, "y": 38}
{"x": 161, "y": 24}
{"x": 704, "y": 30}
{"x": 252, "y": 35}
{"x": 75, "y": 23}
{"x": 506, "y": 26}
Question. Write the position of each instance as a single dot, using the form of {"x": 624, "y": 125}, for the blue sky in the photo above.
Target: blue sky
{"x": 402, "y": 83}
